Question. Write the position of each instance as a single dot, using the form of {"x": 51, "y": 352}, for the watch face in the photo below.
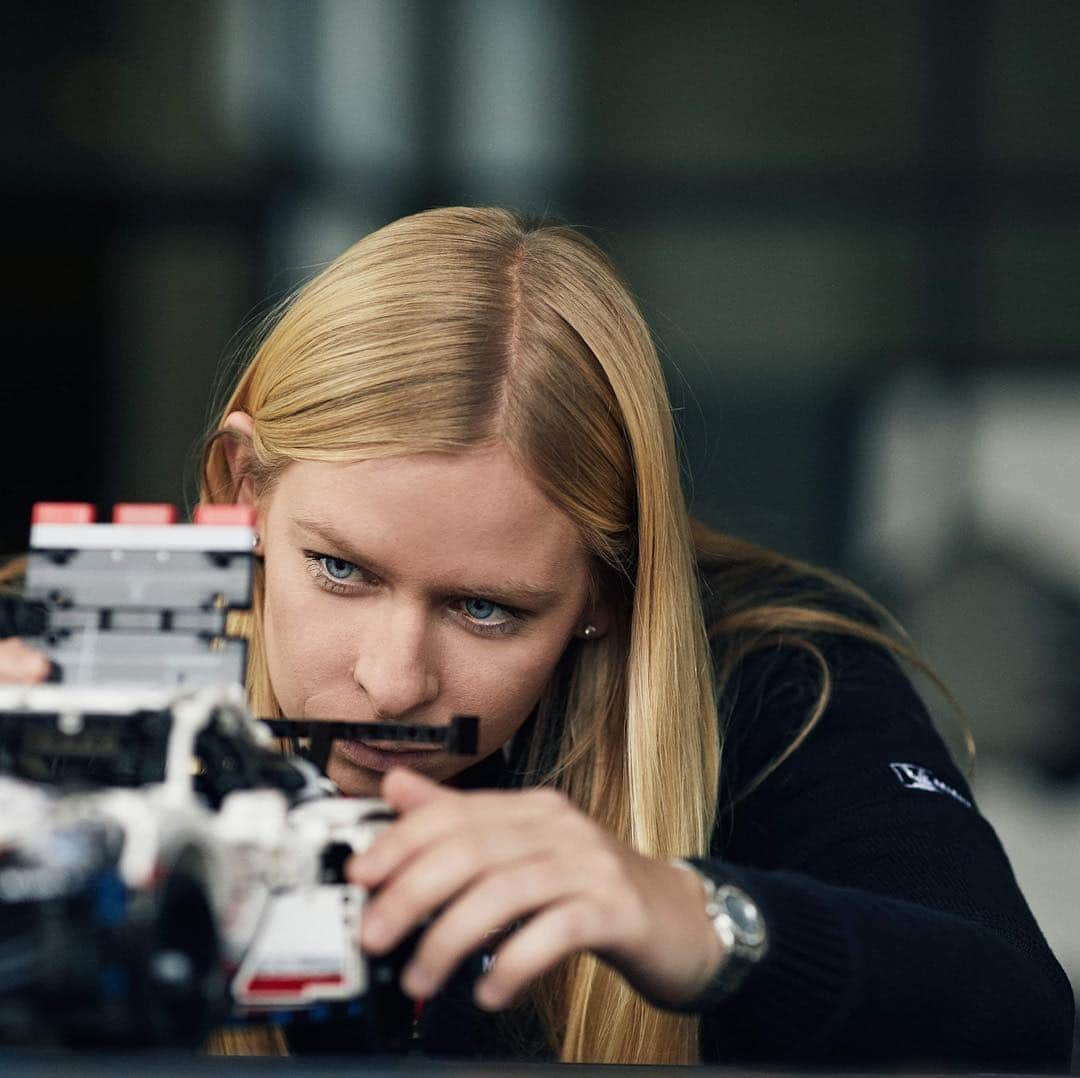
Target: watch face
{"x": 745, "y": 917}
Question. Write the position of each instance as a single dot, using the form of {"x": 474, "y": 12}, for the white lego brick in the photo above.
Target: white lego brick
{"x": 229, "y": 538}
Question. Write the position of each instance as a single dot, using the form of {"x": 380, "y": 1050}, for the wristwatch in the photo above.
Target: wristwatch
{"x": 741, "y": 928}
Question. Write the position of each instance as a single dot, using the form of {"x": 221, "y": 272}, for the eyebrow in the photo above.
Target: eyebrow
{"x": 512, "y": 592}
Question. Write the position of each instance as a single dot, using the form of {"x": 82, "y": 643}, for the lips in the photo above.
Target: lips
{"x": 396, "y": 746}
{"x": 375, "y": 758}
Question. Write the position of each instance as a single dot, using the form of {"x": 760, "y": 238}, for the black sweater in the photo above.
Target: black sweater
{"x": 897, "y": 932}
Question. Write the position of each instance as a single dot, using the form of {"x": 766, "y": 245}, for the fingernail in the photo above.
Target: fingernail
{"x": 36, "y": 667}
{"x": 487, "y": 995}
{"x": 416, "y": 982}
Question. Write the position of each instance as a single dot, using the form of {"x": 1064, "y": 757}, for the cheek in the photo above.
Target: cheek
{"x": 302, "y": 648}
{"x": 505, "y": 687}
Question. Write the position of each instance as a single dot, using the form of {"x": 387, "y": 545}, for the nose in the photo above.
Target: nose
{"x": 394, "y": 667}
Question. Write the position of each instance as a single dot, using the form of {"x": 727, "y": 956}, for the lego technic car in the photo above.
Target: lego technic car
{"x": 164, "y": 868}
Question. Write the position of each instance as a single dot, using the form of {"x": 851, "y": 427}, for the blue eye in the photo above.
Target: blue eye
{"x": 480, "y": 609}
{"x": 337, "y": 569}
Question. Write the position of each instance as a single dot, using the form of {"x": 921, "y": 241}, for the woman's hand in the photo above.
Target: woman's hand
{"x": 482, "y": 861}
{"x": 20, "y": 663}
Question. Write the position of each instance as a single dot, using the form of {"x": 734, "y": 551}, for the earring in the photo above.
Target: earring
{"x": 589, "y": 632}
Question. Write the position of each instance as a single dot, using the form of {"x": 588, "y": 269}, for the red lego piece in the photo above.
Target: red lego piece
{"x": 241, "y": 516}
{"x": 144, "y": 513}
{"x": 63, "y": 513}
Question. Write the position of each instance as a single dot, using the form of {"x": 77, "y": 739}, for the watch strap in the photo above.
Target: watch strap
{"x": 738, "y": 922}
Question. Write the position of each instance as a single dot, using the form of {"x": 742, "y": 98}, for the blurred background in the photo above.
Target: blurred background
{"x": 854, "y": 228}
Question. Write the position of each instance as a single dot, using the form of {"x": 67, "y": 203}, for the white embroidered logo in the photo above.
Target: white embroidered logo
{"x": 916, "y": 777}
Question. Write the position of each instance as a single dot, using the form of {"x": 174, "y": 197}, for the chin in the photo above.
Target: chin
{"x": 353, "y": 779}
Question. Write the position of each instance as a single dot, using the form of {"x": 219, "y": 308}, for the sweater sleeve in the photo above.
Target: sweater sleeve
{"x": 897, "y": 932}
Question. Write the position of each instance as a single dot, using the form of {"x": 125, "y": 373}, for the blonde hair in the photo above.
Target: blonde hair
{"x": 492, "y": 331}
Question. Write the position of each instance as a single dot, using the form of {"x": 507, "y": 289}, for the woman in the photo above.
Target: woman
{"x": 460, "y": 447}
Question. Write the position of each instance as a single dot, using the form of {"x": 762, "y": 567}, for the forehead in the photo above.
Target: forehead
{"x": 436, "y": 512}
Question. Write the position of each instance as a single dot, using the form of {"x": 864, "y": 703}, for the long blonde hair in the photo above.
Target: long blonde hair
{"x": 456, "y": 328}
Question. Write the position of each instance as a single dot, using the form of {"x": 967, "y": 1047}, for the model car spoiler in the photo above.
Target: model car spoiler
{"x": 459, "y": 736}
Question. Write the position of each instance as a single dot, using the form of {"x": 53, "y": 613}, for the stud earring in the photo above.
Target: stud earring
{"x": 590, "y": 632}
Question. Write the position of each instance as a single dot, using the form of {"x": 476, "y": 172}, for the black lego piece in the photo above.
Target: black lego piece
{"x": 460, "y": 736}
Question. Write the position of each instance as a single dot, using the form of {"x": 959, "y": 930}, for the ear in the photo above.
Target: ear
{"x": 237, "y": 447}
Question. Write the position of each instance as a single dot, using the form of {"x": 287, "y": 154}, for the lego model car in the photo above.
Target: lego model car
{"x": 164, "y": 868}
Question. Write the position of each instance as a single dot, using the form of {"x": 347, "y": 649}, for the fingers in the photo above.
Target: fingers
{"x": 434, "y": 824}
{"x": 481, "y": 861}
{"x": 432, "y": 878}
{"x": 496, "y": 902}
{"x": 20, "y": 663}
{"x": 554, "y": 934}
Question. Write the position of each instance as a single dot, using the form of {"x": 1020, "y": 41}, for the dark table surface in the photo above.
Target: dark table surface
{"x": 43, "y": 1063}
